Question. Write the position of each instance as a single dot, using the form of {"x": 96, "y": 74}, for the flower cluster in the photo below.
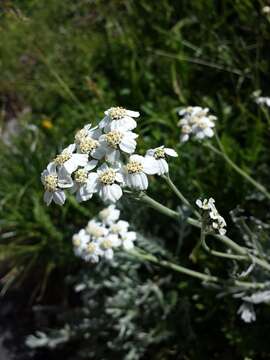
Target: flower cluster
{"x": 212, "y": 217}
{"x": 196, "y": 122}
{"x": 263, "y": 100}
{"x": 112, "y": 143}
{"x": 103, "y": 235}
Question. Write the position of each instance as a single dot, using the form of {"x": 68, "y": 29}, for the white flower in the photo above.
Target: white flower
{"x": 104, "y": 182}
{"x": 215, "y": 220}
{"x": 118, "y": 118}
{"x": 96, "y": 229}
{"x": 263, "y": 100}
{"x": 119, "y": 228}
{"x": 92, "y": 252}
{"x": 54, "y": 182}
{"x": 70, "y": 161}
{"x": 107, "y": 244}
{"x": 109, "y": 215}
{"x": 128, "y": 239}
{"x": 266, "y": 10}
{"x": 196, "y": 122}
{"x": 159, "y": 154}
{"x": 81, "y": 179}
{"x": 247, "y": 313}
{"x": 80, "y": 242}
{"x": 87, "y": 141}
{"x": 135, "y": 171}
{"x": 114, "y": 141}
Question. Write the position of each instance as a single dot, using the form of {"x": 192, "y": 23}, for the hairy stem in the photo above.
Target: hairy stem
{"x": 180, "y": 195}
{"x": 223, "y": 238}
{"x": 142, "y": 255}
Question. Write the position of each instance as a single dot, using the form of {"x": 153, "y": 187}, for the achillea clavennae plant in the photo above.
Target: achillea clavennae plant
{"x": 102, "y": 161}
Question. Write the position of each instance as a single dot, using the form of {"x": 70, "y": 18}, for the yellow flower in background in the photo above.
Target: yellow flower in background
{"x": 46, "y": 123}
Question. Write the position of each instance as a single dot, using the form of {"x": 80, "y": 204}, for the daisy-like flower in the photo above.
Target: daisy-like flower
{"x": 247, "y": 312}
{"x": 81, "y": 179}
{"x": 96, "y": 230}
{"x": 80, "y": 242}
{"x": 54, "y": 182}
{"x": 70, "y": 161}
{"x": 213, "y": 219}
{"x": 114, "y": 141}
{"x": 105, "y": 183}
{"x": 159, "y": 154}
{"x": 119, "y": 228}
{"x": 196, "y": 122}
{"x": 107, "y": 244}
{"x": 87, "y": 142}
{"x": 109, "y": 215}
{"x": 92, "y": 252}
{"x": 128, "y": 239}
{"x": 118, "y": 118}
{"x": 136, "y": 169}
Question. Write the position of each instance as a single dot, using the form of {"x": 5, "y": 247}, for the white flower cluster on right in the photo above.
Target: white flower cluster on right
{"x": 103, "y": 235}
{"x": 196, "y": 123}
{"x": 110, "y": 148}
{"x": 213, "y": 219}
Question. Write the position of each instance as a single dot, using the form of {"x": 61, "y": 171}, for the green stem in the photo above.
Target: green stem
{"x": 223, "y": 238}
{"x": 180, "y": 195}
{"x": 240, "y": 171}
{"x": 142, "y": 255}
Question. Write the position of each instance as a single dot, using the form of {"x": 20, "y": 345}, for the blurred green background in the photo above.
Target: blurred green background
{"x": 62, "y": 64}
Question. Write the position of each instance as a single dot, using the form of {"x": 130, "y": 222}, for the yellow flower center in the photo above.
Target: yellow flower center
{"x": 91, "y": 248}
{"x": 117, "y": 113}
{"x": 95, "y": 230}
{"x": 159, "y": 153}
{"x": 80, "y": 176}
{"x": 50, "y": 182}
{"x": 76, "y": 241}
{"x": 80, "y": 135}
{"x": 134, "y": 167}
{"x": 62, "y": 158}
{"x": 106, "y": 244}
{"x": 88, "y": 144}
{"x": 114, "y": 138}
{"x": 108, "y": 177}
{"x": 115, "y": 228}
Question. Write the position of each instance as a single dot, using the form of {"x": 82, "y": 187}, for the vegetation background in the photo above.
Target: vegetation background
{"x": 62, "y": 64}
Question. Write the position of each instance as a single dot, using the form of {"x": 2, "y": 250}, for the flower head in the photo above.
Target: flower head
{"x": 105, "y": 183}
{"x": 118, "y": 118}
{"x": 136, "y": 170}
{"x": 54, "y": 182}
{"x": 196, "y": 122}
{"x": 159, "y": 155}
{"x": 109, "y": 215}
{"x": 70, "y": 161}
{"x": 212, "y": 217}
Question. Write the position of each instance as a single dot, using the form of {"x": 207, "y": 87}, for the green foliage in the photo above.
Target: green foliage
{"x": 64, "y": 62}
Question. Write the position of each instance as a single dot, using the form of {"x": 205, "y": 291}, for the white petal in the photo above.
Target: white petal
{"x": 119, "y": 177}
{"x": 84, "y": 194}
{"x": 59, "y": 197}
{"x": 47, "y": 197}
{"x": 128, "y": 244}
{"x": 91, "y": 165}
{"x": 170, "y": 152}
{"x": 113, "y": 156}
{"x": 92, "y": 182}
{"x": 150, "y": 166}
{"x": 138, "y": 181}
{"x": 163, "y": 167}
{"x": 105, "y": 121}
{"x": 128, "y": 145}
{"x": 108, "y": 254}
{"x": 126, "y": 123}
{"x": 131, "y": 113}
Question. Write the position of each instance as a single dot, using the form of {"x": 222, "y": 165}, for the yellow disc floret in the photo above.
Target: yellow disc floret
{"x": 62, "y": 158}
{"x": 88, "y": 144}
{"x": 159, "y": 153}
{"x": 117, "y": 113}
{"x": 106, "y": 244}
{"x": 108, "y": 177}
{"x": 80, "y": 176}
{"x": 134, "y": 167}
{"x": 91, "y": 248}
{"x": 50, "y": 182}
{"x": 113, "y": 138}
